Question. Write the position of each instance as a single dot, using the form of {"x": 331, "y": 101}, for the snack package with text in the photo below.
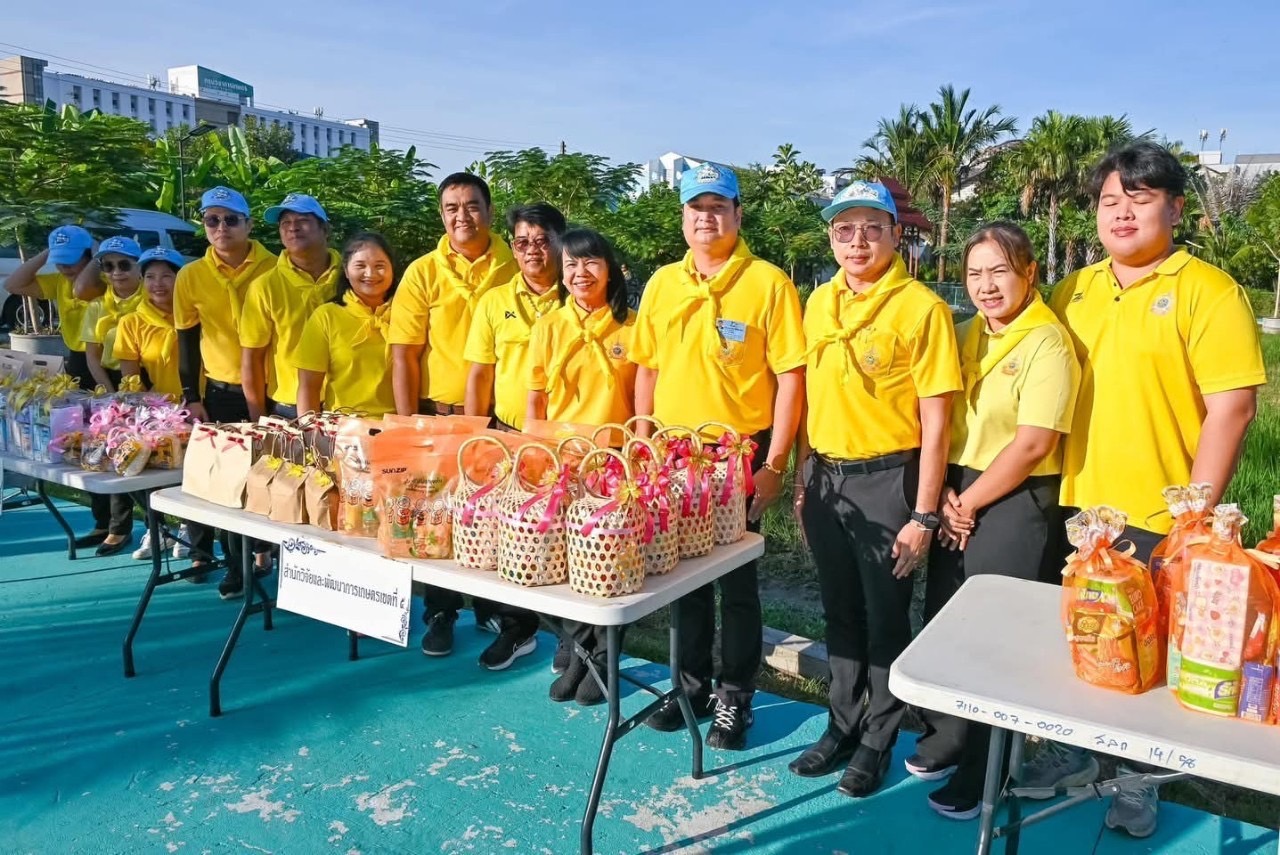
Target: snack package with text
{"x": 412, "y": 473}
{"x": 1189, "y": 507}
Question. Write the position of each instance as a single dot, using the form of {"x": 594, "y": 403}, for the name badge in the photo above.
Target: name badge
{"x": 732, "y": 330}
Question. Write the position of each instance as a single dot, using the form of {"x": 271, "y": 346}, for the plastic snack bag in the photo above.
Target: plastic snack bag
{"x": 1108, "y": 607}
{"x": 1189, "y": 507}
{"x": 411, "y": 475}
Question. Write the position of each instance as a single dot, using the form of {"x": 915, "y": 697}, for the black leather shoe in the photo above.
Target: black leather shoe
{"x": 865, "y": 773}
{"x": 105, "y": 549}
{"x": 93, "y": 538}
{"x": 825, "y": 756}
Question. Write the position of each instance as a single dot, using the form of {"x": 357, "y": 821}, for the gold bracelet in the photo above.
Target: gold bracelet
{"x": 770, "y": 467}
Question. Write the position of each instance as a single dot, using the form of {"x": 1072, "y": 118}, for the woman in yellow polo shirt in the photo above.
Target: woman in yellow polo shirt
{"x": 580, "y": 372}
{"x": 117, "y": 259}
{"x": 342, "y": 357}
{"x": 1000, "y": 509}
{"x": 146, "y": 340}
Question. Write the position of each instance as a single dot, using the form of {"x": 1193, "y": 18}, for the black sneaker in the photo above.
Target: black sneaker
{"x": 564, "y": 651}
{"x": 509, "y": 646}
{"x": 231, "y": 587}
{"x": 439, "y": 638}
{"x": 490, "y": 624}
{"x": 950, "y": 801}
{"x": 589, "y": 693}
{"x": 729, "y": 730}
{"x": 925, "y": 769}
{"x": 669, "y": 717}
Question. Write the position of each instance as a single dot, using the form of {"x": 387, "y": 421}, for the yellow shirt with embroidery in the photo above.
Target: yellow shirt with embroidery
{"x": 583, "y": 364}
{"x": 148, "y": 337}
{"x": 1023, "y": 375}
{"x": 872, "y": 356}
{"x": 1149, "y": 353}
{"x": 434, "y": 305}
{"x": 499, "y": 336}
{"x": 61, "y": 290}
{"x": 210, "y": 294}
{"x": 718, "y": 344}
{"x": 103, "y": 317}
{"x": 348, "y": 345}
{"x": 276, "y": 308}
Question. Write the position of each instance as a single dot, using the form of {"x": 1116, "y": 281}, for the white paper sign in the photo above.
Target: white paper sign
{"x": 346, "y": 587}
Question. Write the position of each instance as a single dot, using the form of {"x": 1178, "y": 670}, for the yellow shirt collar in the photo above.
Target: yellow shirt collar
{"x": 740, "y": 255}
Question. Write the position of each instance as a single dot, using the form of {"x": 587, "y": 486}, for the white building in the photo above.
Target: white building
{"x": 1247, "y": 166}
{"x": 191, "y": 95}
{"x": 666, "y": 169}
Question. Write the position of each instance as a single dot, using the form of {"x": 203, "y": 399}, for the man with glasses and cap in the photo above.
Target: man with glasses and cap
{"x": 719, "y": 338}
{"x": 882, "y": 366}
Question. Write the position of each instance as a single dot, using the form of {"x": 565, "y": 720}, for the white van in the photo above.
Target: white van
{"x": 148, "y": 228}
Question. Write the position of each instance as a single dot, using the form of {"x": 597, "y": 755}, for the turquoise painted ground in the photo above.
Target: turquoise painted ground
{"x": 395, "y": 753}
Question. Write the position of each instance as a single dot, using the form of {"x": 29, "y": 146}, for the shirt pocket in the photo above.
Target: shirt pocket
{"x": 875, "y": 351}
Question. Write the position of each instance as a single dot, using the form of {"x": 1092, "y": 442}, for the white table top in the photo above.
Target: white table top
{"x": 556, "y": 600}
{"x": 997, "y": 653}
{"x": 102, "y": 483}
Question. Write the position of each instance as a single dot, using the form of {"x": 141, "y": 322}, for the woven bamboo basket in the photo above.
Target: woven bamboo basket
{"x": 693, "y": 508}
{"x": 662, "y": 552}
{"x": 531, "y": 533}
{"x": 728, "y": 484}
{"x": 605, "y": 535}
{"x": 630, "y": 424}
{"x": 474, "y": 507}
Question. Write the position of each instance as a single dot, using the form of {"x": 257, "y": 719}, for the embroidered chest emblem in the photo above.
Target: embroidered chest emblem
{"x": 1010, "y": 368}
{"x": 870, "y": 358}
{"x": 1162, "y": 305}
{"x": 617, "y": 351}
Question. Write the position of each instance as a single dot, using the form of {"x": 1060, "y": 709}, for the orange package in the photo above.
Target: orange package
{"x": 1109, "y": 607}
{"x": 439, "y": 424}
{"x": 1271, "y": 544}
{"x": 412, "y": 474}
{"x": 1226, "y": 636}
{"x": 1189, "y": 507}
{"x": 357, "y": 513}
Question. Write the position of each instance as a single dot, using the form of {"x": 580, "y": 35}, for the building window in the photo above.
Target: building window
{"x": 97, "y": 97}
{"x": 115, "y": 101}
{"x": 168, "y": 109}
{"x": 290, "y": 127}
{"x": 133, "y": 104}
{"x": 151, "y": 106}
{"x": 75, "y": 94}
{"x": 186, "y": 111}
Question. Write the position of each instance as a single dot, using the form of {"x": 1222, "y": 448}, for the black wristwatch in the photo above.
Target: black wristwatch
{"x": 928, "y": 522}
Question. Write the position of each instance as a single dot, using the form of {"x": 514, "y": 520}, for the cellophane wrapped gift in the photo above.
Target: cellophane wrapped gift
{"x": 1189, "y": 507}
{"x": 1226, "y": 638}
{"x": 1109, "y": 606}
{"x": 60, "y": 422}
{"x": 11, "y": 367}
{"x": 128, "y": 450}
{"x": 412, "y": 473}
{"x": 166, "y": 426}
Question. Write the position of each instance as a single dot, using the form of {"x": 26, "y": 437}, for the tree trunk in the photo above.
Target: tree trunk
{"x": 1051, "y": 256}
{"x": 942, "y": 232}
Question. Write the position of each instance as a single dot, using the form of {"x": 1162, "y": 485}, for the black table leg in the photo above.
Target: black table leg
{"x": 613, "y": 653}
{"x": 246, "y": 568}
{"x": 1018, "y": 744}
{"x": 686, "y": 706}
{"x": 61, "y": 520}
{"x": 153, "y": 533}
{"x": 991, "y": 789}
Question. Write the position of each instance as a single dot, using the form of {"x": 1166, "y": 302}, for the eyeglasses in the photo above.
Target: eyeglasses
{"x": 113, "y": 266}
{"x": 213, "y": 221}
{"x": 524, "y": 244}
{"x": 845, "y": 232}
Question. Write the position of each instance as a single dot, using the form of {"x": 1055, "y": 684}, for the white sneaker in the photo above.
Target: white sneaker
{"x": 181, "y": 550}
{"x": 143, "y": 552}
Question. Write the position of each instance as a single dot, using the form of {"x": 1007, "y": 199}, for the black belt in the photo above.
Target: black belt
{"x": 868, "y": 465}
{"x": 430, "y": 407}
{"x": 236, "y": 388}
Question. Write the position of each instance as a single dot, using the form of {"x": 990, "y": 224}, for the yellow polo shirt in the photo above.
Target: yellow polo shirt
{"x": 1023, "y": 375}
{"x": 872, "y": 356}
{"x": 210, "y": 294}
{"x": 102, "y": 318}
{"x": 434, "y": 306}
{"x": 348, "y": 345}
{"x": 583, "y": 364}
{"x": 147, "y": 337}
{"x": 62, "y": 291}
{"x": 718, "y": 344}
{"x": 1149, "y": 354}
{"x": 276, "y": 308}
{"x": 499, "y": 336}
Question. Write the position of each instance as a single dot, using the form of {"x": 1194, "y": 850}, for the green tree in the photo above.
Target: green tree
{"x": 954, "y": 137}
{"x": 647, "y": 230}
{"x": 268, "y": 141}
{"x": 1263, "y": 222}
{"x": 781, "y": 221}
{"x": 587, "y": 188}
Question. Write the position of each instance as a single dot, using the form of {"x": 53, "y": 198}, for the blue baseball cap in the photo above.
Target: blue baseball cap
{"x": 708, "y": 178}
{"x": 862, "y": 194}
{"x": 299, "y": 203}
{"x": 225, "y": 197}
{"x": 68, "y": 244}
{"x": 160, "y": 253}
{"x": 120, "y": 245}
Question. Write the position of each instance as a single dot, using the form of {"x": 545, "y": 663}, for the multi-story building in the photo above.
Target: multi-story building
{"x": 191, "y": 95}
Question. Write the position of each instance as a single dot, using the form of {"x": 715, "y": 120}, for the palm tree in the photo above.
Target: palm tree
{"x": 954, "y": 136}
{"x": 897, "y": 150}
{"x": 1049, "y": 163}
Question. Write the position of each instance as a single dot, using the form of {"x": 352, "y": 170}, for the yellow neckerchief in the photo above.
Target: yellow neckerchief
{"x": 235, "y": 281}
{"x": 880, "y": 292}
{"x": 156, "y": 318}
{"x": 974, "y": 365}
{"x": 591, "y": 329}
{"x": 530, "y": 306}
{"x": 114, "y": 308}
{"x": 706, "y": 292}
{"x": 456, "y": 267}
{"x": 372, "y": 321}
{"x": 319, "y": 289}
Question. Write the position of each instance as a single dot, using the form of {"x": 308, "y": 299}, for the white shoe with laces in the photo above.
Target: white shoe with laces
{"x": 143, "y": 552}
{"x": 180, "y": 549}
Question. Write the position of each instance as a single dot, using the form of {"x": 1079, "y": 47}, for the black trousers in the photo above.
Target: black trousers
{"x": 1014, "y": 537}
{"x": 852, "y": 522}
{"x": 741, "y": 630}
{"x": 222, "y": 405}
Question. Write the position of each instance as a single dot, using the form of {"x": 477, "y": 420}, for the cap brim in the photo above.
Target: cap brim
{"x": 726, "y": 192}
{"x": 830, "y": 212}
{"x": 273, "y": 214}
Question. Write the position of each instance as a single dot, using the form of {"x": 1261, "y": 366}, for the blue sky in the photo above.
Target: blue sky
{"x": 631, "y": 81}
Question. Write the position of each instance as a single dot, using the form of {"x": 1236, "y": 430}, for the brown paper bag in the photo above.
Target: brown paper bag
{"x": 233, "y": 459}
{"x": 320, "y": 493}
{"x": 202, "y": 455}
{"x": 288, "y": 500}
{"x": 261, "y": 474}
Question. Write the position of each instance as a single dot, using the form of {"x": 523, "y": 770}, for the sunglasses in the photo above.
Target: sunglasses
{"x": 113, "y": 266}
{"x": 844, "y": 232}
{"x": 213, "y": 221}
{"x": 525, "y": 244}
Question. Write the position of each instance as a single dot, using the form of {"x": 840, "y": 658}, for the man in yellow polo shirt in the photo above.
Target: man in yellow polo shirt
{"x": 719, "y": 338}
{"x": 430, "y": 319}
{"x": 1171, "y": 361}
{"x": 278, "y": 303}
{"x": 882, "y": 366}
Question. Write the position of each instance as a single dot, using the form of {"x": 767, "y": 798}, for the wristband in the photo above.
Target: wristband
{"x": 770, "y": 467}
